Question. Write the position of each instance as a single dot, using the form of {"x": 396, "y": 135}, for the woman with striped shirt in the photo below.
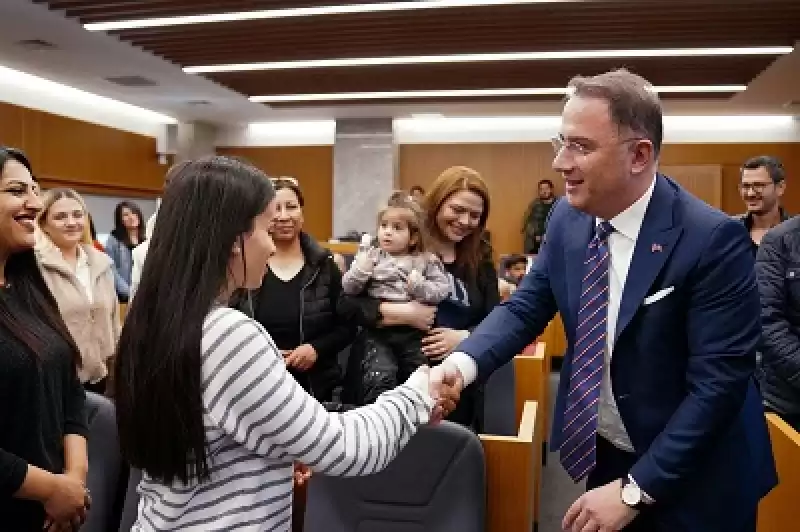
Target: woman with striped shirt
{"x": 206, "y": 407}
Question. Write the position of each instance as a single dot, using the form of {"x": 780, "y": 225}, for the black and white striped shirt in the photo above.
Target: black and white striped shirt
{"x": 258, "y": 420}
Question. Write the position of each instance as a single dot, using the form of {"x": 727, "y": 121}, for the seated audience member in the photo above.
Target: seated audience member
{"x": 779, "y": 287}
{"x": 514, "y": 268}
{"x": 219, "y": 453}
{"x": 128, "y": 232}
{"x": 298, "y": 300}
{"x": 401, "y": 269}
{"x": 82, "y": 282}
{"x": 456, "y": 209}
{"x": 42, "y": 422}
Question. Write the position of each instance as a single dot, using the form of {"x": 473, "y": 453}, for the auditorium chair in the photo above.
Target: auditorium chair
{"x": 436, "y": 483}
{"x": 105, "y": 464}
{"x": 131, "y": 507}
{"x": 499, "y": 405}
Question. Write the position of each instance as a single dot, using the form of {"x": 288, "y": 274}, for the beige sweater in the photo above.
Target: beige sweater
{"x": 94, "y": 326}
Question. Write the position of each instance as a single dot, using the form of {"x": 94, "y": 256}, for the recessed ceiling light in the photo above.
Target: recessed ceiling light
{"x": 469, "y": 93}
{"x": 304, "y": 12}
{"x": 489, "y": 57}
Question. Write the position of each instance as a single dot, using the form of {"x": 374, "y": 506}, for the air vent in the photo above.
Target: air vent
{"x": 132, "y": 81}
{"x": 198, "y": 103}
{"x": 36, "y": 44}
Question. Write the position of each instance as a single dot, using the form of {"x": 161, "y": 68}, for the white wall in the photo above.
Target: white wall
{"x": 26, "y": 90}
{"x": 488, "y": 129}
{"x": 102, "y": 210}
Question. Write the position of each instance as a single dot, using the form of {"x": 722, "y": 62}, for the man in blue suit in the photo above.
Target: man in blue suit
{"x": 656, "y": 405}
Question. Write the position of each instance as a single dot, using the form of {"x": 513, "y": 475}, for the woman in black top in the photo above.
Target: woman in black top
{"x": 43, "y": 460}
{"x": 298, "y": 300}
{"x": 457, "y": 207}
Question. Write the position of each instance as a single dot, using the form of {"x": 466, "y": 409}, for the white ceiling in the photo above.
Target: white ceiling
{"x": 83, "y": 59}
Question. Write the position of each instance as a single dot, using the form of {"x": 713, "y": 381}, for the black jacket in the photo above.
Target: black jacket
{"x": 778, "y": 268}
{"x": 320, "y": 322}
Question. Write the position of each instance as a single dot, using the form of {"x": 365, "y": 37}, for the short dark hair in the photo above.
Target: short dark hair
{"x": 513, "y": 260}
{"x": 773, "y": 165}
{"x": 416, "y": 188}
{"x": 207, "y": 208}
{"x": 546, "y": 182}
{"x": 632, "y": 102}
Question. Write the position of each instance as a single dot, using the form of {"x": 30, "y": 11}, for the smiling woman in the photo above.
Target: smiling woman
{"x": 42, "y": 425}
{"x": 82, "y": 281}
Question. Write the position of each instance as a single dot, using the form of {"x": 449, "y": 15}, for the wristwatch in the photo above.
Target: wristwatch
{"x": 632, "y": 494}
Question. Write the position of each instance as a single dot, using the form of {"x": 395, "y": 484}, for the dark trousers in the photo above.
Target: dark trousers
{"x": 389, "y": 355}
{"x": 614, "y": 464}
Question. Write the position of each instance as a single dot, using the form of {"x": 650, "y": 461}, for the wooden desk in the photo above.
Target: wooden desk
{"x": 778, "y": 510}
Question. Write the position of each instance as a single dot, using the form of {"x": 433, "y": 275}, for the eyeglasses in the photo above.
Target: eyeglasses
{"x": 574, "y": 147}
{"x": 757, "y": 188}
{"x": 287, "y": 179}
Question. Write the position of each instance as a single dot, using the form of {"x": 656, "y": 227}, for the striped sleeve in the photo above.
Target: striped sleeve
{"x": 249, "y": 394}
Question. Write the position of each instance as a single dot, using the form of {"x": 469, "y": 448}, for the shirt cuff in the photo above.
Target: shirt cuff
{"x": 645, "y": 497}
{"x": 465, "y": 364}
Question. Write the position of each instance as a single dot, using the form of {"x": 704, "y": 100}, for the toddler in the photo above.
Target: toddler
{"x": 399, "y": 269}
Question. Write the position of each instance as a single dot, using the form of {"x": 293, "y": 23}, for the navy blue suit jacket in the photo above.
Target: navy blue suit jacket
{"x": 682, "y": 367}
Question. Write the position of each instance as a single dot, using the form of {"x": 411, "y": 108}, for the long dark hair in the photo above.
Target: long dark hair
{"x": 207, "y": 207}
{"x": 120, "y": 232}
{"x": 31, "y": 292}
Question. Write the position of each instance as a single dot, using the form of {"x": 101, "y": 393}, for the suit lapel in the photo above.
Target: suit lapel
{"x": 581, "y": 230}
{"x": 656, "y": 240}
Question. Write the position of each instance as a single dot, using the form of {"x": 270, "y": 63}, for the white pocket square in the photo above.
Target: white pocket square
{"x": 661, "y": 294}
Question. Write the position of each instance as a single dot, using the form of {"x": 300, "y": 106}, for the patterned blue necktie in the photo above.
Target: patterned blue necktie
{"x": 578, "y": 448}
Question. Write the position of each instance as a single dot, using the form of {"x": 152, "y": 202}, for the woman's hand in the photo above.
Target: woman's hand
{"x": 66, "y": 505}
{"x": 441, "y": 341}
{"x": 302, "y": 357}
{"x": 301, "y": 474}
{"x": 414, "y": 314}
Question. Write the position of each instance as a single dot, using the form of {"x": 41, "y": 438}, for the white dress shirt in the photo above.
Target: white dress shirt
{"x": 622, "y": 243}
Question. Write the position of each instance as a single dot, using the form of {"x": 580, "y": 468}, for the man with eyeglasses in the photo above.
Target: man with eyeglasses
{"x": 762, "y": 185}
{"x": 657, "y": 406}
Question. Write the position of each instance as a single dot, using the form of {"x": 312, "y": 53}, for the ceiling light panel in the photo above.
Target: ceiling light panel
{"x": 489, "y": 57}
{"x": 478, "y": 93}
{"x": 239, "y": 16}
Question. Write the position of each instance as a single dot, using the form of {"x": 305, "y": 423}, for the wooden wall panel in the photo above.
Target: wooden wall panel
{"x": 730, "y": 157}
{"x": 88, "y": 157}
{"x": 313, "y": 168}
{"x": 512, "y": 171}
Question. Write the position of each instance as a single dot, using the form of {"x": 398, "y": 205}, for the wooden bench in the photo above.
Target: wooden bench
{"x": 512, "y": 470}
{"x": 778, "y": 510}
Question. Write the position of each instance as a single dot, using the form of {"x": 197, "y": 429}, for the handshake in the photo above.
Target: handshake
{"x": 442, "y": 383}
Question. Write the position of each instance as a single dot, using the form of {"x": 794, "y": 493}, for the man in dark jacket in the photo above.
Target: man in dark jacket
{"x": 778, "y": 268}
{"x": 762, "y": 184}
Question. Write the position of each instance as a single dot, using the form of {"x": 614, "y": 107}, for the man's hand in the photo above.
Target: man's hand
{"x": 446, "y": 385}
{"x": 599, "y": 510}
{"x": 301, "y": 358}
